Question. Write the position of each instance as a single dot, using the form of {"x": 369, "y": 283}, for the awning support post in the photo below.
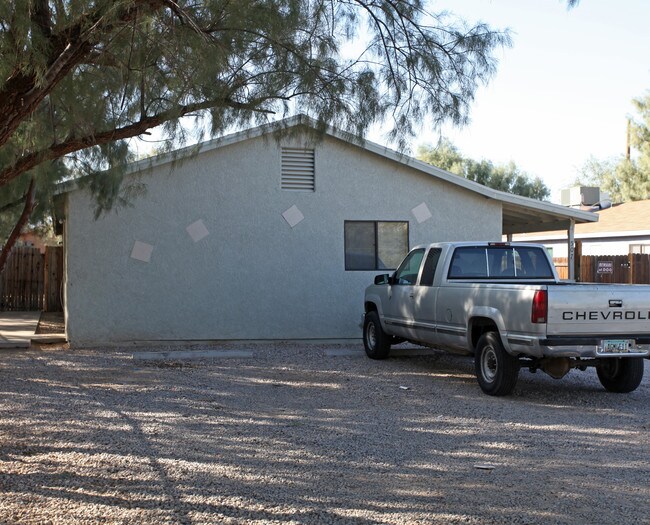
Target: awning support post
{"x": 572, "y": 247}
{"x": 509, "y": 237}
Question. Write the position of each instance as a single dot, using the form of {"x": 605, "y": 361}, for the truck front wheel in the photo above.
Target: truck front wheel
{"x": 375, "y": 340}
{"x": 621, "y": 374}
{"x": 496, "y": 370}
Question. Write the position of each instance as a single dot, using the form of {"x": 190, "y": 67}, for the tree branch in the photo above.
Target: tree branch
{"x": 13, "y": 204}
{"x": 23, "y": 93}
{"x": 72, "y": 144}
{"x": 15, "y": 233}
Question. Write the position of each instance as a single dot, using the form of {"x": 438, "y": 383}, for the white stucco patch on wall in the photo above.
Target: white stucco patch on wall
{"x": 141, "y": 251}
{"x": 197, "y": 230}
{"x": 421, "y": 213}
{"x": 293, "y": 216}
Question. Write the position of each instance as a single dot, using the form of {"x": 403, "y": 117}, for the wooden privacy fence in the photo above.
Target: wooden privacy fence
{"x": 31, "y": 280}
{"x": 562, "y": 266}
{"x": 633, "y": 268}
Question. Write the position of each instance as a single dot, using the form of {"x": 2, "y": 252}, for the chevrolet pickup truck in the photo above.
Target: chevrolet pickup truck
{"x": 504, "y": 303}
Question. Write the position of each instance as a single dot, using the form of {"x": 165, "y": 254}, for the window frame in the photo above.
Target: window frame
{"x": 376, "y": 231}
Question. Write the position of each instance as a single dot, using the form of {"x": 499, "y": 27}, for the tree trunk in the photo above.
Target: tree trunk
{"x": 15, "y": 233}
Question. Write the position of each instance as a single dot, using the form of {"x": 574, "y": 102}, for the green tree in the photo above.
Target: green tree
{"x": 78, "y": 79}
{"x": 508, "y": 177}
{"x": 444, "y": 155}
{"x": 626, "y": 179}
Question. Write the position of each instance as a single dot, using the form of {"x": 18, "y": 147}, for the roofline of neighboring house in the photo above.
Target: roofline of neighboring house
{"x": 304, "y": 120}
{"x": 592, "y": 235}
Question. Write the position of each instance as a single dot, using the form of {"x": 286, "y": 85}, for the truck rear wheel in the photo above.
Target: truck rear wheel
{"x": 621, "y": 374}
{"x": 375, "y": 340}
{"x": 496, "y": 370}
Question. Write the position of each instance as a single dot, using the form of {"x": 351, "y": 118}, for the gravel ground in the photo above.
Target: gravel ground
{"x": 293, "y": 435}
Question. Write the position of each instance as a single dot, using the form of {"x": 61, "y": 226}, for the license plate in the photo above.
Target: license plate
{"x": 615, "y": 346}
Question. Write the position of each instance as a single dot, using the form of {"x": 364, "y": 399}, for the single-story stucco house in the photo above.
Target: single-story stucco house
{"x": 260, "y": 237}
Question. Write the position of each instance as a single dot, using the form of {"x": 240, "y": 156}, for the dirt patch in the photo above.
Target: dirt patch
{"x": 51, "y": 323}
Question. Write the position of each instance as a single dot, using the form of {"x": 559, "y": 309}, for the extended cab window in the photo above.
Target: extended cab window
{"x": 407, "y": 273}
{"x": 500, "y": 262}
{"x": 430, "y": 265}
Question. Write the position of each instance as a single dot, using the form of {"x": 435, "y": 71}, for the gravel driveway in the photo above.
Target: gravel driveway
{"x": 296, "y": 435}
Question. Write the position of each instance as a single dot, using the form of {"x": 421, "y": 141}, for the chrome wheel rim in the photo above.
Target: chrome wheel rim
{"x": 371, "y": 336}
{"x": 489, "y": 366}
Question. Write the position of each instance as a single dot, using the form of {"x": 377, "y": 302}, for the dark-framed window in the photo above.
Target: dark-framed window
{"x": 375, "y": 245}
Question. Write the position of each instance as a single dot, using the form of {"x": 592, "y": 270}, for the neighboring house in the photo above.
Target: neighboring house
{"x": 266, "y": 237}
{"x": 621, "y": 229}
{"x": 34, "y": 239}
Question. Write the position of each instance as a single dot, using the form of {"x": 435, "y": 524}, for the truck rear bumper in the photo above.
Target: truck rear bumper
{"x": 591, "y": 347}
{"x": 571, "y": 346}
{"x": 594, "y": 340}
{"x": 588, "y": 351}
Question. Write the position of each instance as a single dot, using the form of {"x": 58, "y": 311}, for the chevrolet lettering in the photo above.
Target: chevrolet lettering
{"x": 606, "y": 316}
{"x": 504, "y": 304}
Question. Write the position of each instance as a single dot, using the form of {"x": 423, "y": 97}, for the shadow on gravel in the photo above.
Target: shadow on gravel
{"x": 312, "y": 440}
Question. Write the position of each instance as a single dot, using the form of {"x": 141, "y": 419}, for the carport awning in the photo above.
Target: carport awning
{"x": 526, "y": 216}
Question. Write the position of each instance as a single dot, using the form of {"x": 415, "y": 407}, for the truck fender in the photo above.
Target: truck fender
{"x": 494, "y": 315}
{"x": 375, "y": 300}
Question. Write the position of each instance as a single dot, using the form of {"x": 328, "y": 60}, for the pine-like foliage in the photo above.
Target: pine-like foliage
{"x": 80, "y": 77}
{"x": 508, "y": 177}
{"x": 626, "y": 179}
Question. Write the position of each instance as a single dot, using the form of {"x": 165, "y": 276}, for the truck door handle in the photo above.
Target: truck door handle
{"x": 411, "y": 295}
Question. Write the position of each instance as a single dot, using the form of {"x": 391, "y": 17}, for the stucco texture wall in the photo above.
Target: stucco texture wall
{"x": 253, "y": 276}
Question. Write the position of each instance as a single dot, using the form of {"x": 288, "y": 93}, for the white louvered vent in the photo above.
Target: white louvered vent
{"x": 298, "y": 169}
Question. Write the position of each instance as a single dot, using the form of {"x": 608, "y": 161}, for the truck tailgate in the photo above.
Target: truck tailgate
{"x": 592, "y": 310}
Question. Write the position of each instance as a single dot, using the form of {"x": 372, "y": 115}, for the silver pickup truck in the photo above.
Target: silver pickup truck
{"x": 504, "y": 303}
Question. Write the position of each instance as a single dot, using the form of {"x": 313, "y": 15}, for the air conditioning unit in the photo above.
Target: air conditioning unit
{"x": 580, "y": 196}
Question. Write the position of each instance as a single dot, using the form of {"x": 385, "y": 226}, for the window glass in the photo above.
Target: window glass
{"x": 360, "y": 245}
{"x": 639, "y": 248}
{"x": 468, "y": 262}
{"x": 407, "y": 273}
{"x": 430, "y": 265}
{"x": 392, "y": 244}
{"x": 375, "y": 245}
{"x": 533, "y": 264}
{"x": 500, "y": 262}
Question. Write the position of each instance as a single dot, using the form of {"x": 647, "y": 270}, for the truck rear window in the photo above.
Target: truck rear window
{"x": 500, "y": 262}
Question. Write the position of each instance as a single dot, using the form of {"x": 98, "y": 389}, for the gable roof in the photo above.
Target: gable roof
{"x": 520, "y": 214}
{"x": 626, "y": 217}
{"x": 629, "y": 219}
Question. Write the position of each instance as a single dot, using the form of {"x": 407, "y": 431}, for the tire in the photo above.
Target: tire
{"x": 496, "y": 370}
{"x": 620, "y": 375}
{"x": 375, "y": 340}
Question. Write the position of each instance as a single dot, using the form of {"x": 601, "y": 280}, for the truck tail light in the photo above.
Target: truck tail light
{"x": 540, "y": 307}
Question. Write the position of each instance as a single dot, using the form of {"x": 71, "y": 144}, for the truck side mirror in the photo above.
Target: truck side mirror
{"x": 384, "y": 278}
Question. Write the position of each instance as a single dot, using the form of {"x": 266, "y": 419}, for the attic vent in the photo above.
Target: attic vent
{"x": 298, "y": 169}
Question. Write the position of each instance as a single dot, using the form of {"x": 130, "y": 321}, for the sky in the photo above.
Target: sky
{"x": 562, "y": 92}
